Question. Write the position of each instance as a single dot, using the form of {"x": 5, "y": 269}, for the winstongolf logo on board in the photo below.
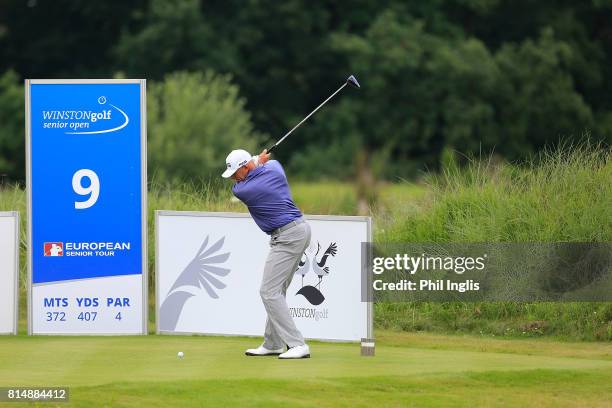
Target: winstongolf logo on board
{"x": 317, "y": 263}
{"x": 85, "y": 248}
{"x": 86, "y": 121}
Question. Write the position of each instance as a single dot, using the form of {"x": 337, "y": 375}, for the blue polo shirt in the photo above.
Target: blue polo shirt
{"x": 265, "y": 191}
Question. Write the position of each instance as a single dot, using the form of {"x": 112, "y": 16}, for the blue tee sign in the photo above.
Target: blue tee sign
{"x": 86, "y": 149}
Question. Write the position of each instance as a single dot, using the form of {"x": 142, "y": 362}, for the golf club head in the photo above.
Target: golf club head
{"x": 353, "y": 81}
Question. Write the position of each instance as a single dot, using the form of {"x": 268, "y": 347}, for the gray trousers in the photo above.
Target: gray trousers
{"x": 286, "y": 249}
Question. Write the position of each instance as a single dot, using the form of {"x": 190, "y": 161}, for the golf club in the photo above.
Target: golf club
{"x": 349, "y": 81}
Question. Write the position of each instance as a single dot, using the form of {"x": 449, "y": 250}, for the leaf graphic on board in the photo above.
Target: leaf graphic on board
{"x": 201, "y": 272}
{"x": 171, "y": 309}
{"x": 202, "y": 268}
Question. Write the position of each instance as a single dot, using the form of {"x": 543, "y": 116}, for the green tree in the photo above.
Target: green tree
{"x": 194, "y": 121}
{"x": 421, "y": 91}
{"x": 538, "y": 101}
{"x": 63, "y": 38}
{"x": 172, "y": 36}
{"x": 467, "y": 75}
{"x": 424, "y": 91}
{"x": 12, "y": 136}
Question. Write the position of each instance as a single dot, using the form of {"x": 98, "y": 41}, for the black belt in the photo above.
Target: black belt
{"x": 287, "y": 226}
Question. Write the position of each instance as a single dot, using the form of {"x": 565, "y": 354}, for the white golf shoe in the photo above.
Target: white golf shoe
{"x": 302, "y": 351}
{"x": 262, "y": 351}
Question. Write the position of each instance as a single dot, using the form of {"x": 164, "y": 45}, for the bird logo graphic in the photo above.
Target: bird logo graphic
{"x": 319, "y": 267}
{"x": 303, "y": 266}
{"x": 200, "y": 273}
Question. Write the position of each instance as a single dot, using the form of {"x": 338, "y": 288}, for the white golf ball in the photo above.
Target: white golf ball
{"x": 180, "y": 354}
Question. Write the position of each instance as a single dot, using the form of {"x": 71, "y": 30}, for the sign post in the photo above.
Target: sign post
{"x": 86, "y": 190}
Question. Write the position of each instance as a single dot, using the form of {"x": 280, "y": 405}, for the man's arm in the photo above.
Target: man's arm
{"x": 263, "y": 157}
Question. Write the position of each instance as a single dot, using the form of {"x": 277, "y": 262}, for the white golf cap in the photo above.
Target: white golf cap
{"x": 235, "y": 160}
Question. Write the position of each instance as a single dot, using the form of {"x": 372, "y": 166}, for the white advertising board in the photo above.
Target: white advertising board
{"x": 209, "y": 268}
{"x": 9, "y": 272}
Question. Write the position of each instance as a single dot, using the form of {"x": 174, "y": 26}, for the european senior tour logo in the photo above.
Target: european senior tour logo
{"x": 109, "y": 119}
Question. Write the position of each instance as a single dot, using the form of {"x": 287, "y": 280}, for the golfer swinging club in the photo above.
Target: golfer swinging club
{"x": 262, "y": 185}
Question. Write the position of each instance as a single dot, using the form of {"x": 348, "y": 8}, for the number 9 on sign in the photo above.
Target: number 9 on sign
{"x": 93, "y": 190}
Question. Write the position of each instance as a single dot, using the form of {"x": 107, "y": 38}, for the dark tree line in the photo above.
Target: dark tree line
{"x": 467, "y": 75}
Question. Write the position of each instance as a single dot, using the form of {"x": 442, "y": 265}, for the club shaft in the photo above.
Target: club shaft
{"x": 309, "y": 115}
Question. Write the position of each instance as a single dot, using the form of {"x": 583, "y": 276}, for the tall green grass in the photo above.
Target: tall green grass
{"x": 563, "y": 194}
